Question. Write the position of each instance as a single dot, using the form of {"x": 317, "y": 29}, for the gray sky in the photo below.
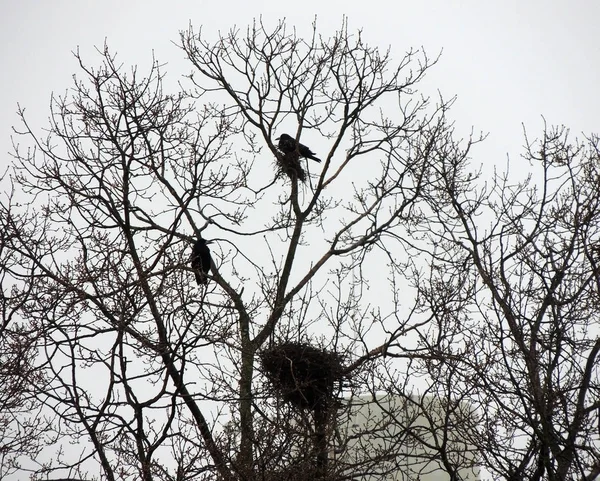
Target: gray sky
{"x": 508, "y": 65}
{"x": 509, "y": 62}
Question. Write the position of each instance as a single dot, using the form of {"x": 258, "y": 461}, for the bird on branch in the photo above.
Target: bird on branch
{"x": 288, "y": 144}
{"x": 201, "y": 260}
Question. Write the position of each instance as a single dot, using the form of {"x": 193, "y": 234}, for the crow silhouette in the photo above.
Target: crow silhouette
{"x": 287, "y": 144}
{"x": 201, "y": 260}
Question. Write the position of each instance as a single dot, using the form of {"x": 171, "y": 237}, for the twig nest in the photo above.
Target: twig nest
{"x": 289, "y": 164}
{"x": 300, "y": 472}
{"x": 302, "y": 374}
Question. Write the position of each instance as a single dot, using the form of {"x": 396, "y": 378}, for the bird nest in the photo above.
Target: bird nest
{"x": 302, "y": 374}
{"x": 289, "y": 164}
{"x": 300, "y": 472}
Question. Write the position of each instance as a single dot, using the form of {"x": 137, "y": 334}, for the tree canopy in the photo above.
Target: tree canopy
{"x": 392, "y": 269}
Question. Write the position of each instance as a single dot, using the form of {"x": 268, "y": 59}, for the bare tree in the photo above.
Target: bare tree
{"x": 139, "y": 373}
{"x": 20, "y": 421}
{"x": 514, "y": 285}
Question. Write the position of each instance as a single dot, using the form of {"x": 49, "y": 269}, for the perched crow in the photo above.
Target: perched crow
{"x": 287, "y": 144}
{"x": 201, "y": 260}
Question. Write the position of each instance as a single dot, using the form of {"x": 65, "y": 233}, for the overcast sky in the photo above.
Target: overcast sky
{"x": 509, "y": 62}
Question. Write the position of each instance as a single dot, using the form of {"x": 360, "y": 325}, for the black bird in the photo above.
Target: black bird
{"x": 201, "y": 260}
{"x": 287, "y": 144}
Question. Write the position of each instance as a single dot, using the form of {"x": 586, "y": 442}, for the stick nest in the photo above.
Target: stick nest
{"x": 302, "y": 374}
{"x": 289, "y": 164}
{"x": 300, "y": 472}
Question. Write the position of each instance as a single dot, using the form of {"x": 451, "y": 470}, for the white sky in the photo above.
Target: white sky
{"x": 509, "y": 62}
{"x": 508, "y": 65}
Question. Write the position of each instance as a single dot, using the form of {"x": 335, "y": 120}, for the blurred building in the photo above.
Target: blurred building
{"x": 405, "y": 438}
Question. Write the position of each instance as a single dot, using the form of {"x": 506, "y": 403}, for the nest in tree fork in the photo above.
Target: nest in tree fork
{"x": 303, "y": 375}
{"x": 289, "y": 164}
{"x": 300, "y": 472}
